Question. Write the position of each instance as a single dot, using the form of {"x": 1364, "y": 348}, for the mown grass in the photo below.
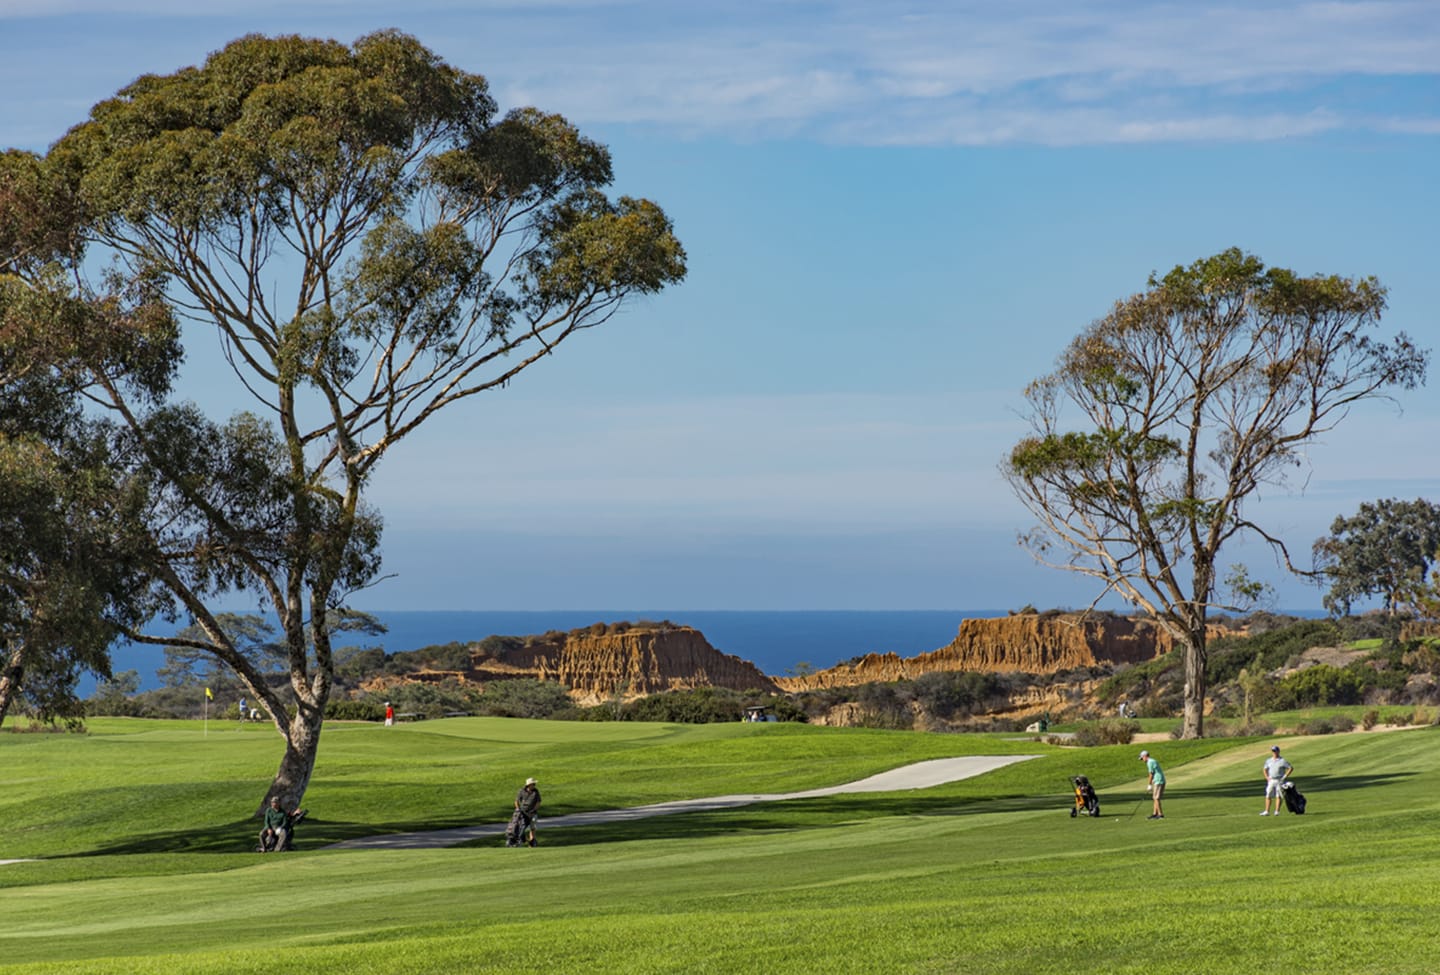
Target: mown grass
{"x": 986, "y": 875}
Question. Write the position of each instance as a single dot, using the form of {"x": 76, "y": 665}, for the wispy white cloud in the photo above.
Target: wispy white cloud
{"x": 983, "y": 73}
{"x": 926, "y": 72}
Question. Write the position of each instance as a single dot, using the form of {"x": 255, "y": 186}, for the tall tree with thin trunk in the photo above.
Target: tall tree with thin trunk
{"x": 372, "y": 244}
{"x": 1186, "y": 399}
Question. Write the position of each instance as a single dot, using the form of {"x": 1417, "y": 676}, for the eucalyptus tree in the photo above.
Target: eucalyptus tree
{"x": 371, "y": 242}
{"x": 1189, "y": 397}
{"x": 1385, "y": 549}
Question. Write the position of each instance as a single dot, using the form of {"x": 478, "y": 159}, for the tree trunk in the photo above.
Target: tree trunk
{"x": 1194, "y": 726}
{"x": 14, "y": 670}
{"x": 302, "y": 744}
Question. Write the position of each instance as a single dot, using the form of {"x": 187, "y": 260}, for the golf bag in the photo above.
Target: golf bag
{"x": 1294, "y": 801}
{"x": 271, "y": 843}
{"x": 515, "y": 833}
{"x": 1086, "y": 801}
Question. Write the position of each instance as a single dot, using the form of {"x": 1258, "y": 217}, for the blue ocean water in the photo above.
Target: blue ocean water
{"x": 776, "y": 641}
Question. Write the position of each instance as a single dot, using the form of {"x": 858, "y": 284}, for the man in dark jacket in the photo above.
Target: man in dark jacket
{"x": 527, "y": 804}
{"x": 277, "y": 827}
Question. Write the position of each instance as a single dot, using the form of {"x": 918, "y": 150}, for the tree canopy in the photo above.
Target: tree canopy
{"x": 1191, "y": 395}
{"x": 1385, "y": 549}
{"x": 72, "y": 571}
{"x": 371, "y": 242}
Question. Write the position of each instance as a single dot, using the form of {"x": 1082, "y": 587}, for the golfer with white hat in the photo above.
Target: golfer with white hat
{"x": 522, "y": 824}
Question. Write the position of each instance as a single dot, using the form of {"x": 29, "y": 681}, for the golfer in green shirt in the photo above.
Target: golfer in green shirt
{"x": 1157, "y": 783}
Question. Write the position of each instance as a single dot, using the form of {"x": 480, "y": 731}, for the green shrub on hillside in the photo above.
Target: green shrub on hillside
{"x": 704, "y": 705}
{"x": 433, "y": 700}
{"x": 1267, "y": 651}
{"x": 701, "y": 705}
{"x": 1323, "y": 684}
{"x": 948, "y": 695}
{"x": 499, "y": 647}
{"x": 445, "y": 656}
{"x": 1109, "y": 731}
{"x": 523, "y": 697}
{"x": 365, "y": 709}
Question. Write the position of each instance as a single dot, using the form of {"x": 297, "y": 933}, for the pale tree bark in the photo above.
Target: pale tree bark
{"x": 10, "y": 676}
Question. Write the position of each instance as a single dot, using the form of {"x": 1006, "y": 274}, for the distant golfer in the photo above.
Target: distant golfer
{"x": 1157, "y": 784}
{"x": 389, "y": 714}
{"x": 1277, "y": 770}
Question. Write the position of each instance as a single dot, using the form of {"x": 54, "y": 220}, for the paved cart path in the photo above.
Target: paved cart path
{"x": 921, "y": 775}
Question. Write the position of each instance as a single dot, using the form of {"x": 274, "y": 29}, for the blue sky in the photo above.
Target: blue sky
{"x": 896, "y": 216}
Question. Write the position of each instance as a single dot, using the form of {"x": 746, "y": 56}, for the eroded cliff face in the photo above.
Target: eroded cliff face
{"x": 599, "y": 667}
{"x": 1031, "y": 643}
{"x": 608, "y": 664}
{"x": 637, "y": 662}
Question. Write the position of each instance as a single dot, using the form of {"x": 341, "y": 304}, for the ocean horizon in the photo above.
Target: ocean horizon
{"x": 776, "y": 641}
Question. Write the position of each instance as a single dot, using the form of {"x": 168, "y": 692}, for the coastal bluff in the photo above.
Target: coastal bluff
{"x": 637, "y": 662}
{"x": 1032, "y": 643}
{"x": 626, "y": 661}
{"x": 606, "y": 662}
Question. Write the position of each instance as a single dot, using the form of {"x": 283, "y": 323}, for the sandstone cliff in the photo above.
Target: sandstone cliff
{"x": 639, "y": 661}
{"x": 1031, "y": 643}
{"x": 605, "y": 663}
{"x": 629, "y": 661}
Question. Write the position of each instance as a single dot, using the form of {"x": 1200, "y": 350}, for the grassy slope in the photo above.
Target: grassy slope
{"x": 988, "y": 875}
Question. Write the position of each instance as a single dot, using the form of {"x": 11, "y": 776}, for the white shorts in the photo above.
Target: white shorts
{"x": 1272, "y": 788}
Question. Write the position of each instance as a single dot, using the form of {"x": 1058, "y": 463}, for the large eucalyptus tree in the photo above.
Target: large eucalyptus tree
{"x": 1187, "y": 398}
{"x": 372, "y": 243}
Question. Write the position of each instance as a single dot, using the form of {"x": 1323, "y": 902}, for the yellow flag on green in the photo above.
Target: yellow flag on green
{"x": 208, "y": 695}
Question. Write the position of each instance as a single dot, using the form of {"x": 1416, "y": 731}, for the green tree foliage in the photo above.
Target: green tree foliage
{"x": 372, "y": 243}
{"x": 498, "y": 647}
{"x": 72, "y": 554}
{"x": 446, "y": 656}
{"x": 434, "y": 699}
{"x": 701, "y": 705}
{"x": 523, "y": 698}
{"x": 1189, "y": 396}
{"x": 188, "y": 665}
{"x": 1382, "y": 550}
{"x": 1267, "y": 651}
{"x": 1312, "y": 687}
{"x": 115, "y": 696}
{"x": 357, "y": 663}
{"x": 948, "y": 695}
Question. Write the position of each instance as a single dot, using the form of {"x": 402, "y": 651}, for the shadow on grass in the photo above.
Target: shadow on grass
{"x": 784, "y": 816}
{"x": 768, "y": 817}
{"x": 241, "y": 836}
{"x": 1249, "y": 789}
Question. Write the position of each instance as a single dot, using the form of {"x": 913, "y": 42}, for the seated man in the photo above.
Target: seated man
{"x": 279, "y": 826}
